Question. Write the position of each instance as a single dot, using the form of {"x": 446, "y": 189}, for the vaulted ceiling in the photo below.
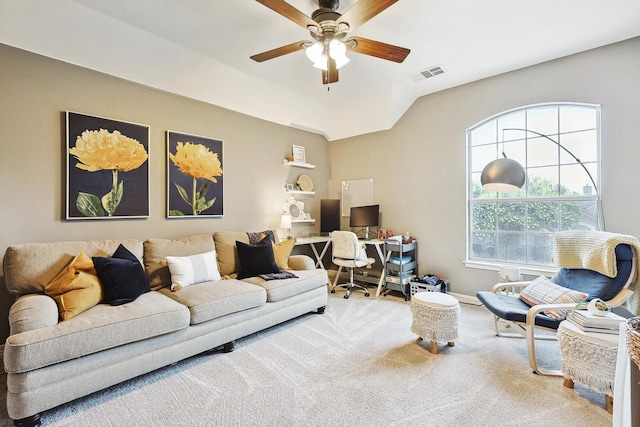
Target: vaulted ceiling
{"x": 201, "y": 49}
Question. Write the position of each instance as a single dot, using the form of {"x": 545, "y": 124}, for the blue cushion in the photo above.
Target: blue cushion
{"x": 513, "y": 308}
{"x": 595, "y": 284}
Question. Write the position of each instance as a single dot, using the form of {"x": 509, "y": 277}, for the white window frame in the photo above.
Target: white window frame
{"x": 525, "y": 268}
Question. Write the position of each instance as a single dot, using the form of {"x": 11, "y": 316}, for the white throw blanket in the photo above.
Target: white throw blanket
{"x": 595, "y": 250}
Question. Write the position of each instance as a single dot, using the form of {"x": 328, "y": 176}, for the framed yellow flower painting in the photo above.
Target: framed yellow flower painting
{"x": 107, "y": 168}
{"x": 195, "y": 177}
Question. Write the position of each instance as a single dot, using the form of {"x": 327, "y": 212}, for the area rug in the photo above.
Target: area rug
{"x": 357, "y": 365}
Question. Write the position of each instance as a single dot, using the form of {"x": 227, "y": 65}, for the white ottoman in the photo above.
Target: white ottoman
{"x": 435, "y": 318}
{"x": 588, "y": 358}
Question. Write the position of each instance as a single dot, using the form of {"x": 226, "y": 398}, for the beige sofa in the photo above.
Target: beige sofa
{"x": 51, "y": 361}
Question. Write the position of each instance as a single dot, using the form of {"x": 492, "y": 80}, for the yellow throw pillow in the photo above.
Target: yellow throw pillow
{"x": 76, "y": 288}
{"x": 281, "y": 252}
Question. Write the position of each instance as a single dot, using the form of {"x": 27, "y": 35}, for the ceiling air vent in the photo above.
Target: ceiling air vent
{"x": 428, "y": 73}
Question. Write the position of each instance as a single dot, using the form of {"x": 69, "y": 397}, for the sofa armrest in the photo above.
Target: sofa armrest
{"x": 32, "y": 311}
{"x": 301, "y": 262}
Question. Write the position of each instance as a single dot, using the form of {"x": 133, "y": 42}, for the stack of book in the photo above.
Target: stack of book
{"x": 586, "y": 321}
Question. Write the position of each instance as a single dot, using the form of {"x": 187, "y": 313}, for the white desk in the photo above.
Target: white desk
{"x": 312, "y": 241}
{"x": 379, "y": 246}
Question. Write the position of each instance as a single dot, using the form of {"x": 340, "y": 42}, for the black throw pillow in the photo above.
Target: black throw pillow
{"x": 122, "y": 276}
{"x": 257, "y": 259}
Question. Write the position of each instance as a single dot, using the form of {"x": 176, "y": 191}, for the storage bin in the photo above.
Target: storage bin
{"x": 423, "y": 287}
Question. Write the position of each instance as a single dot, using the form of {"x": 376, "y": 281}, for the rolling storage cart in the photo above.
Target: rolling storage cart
{"x": 401, "y": 265}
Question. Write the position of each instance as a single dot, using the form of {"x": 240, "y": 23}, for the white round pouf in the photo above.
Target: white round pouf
{"x": 435, "y": 318}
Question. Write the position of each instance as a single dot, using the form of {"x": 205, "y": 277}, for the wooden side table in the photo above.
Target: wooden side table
{"x": 588, "y": 358}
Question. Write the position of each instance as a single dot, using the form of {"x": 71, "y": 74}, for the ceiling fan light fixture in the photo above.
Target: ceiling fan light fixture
{"x": 314, "y": 52}
{"x": 321, "y": 62}
{"x": 337, "y": 51}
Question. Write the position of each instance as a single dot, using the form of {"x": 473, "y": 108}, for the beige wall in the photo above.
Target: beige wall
{"x": 419, "y": 166}
{"x": 34, "y": 93}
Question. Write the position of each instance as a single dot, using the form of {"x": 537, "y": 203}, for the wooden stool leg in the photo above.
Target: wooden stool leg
{"x": 568, "y": 383}
{"x": 451, "y": 344}
{"x": 433, "y": 348}
{"x": 609, "y": 401}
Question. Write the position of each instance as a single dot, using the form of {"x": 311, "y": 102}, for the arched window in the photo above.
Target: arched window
{"x": 558, "y": 144}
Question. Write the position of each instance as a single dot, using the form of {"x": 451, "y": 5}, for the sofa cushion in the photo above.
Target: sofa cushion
{"x": 156, "y": 251}
{"x": 256, "y": 259}
{"x": 76, "y": 288}
{"x": 186, "y": 271}
{"x": 122, "y": 276}
{"x": 225, "y": 241}
{"x": 99, "y": 328}
{"x": 29, "y": 267}
{"x": 256, "y": 236}
{"x": 281, "y": 289}
{"x": 210, "y": 300}
{"x": 282, "y": 251}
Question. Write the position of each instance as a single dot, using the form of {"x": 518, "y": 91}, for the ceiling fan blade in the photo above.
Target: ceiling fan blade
{"x": 279, "y": 51}
{"x": 289, "y": 12}
{"x": 378, "y": 49}
{"x": 364, "y": 10}
{"x": 331, "y": 74}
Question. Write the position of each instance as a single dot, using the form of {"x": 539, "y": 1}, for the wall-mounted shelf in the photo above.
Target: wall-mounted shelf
{"x": 300, "y": 164}
{"x": 310, "y": 221}
{"x": 311, "y": 193}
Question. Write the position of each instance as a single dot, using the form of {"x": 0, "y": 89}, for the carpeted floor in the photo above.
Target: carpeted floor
{"x": 356, "y": 365}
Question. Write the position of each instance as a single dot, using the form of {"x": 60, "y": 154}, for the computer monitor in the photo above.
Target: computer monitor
{"x": 329, "y": 216}
{"x": 364, "y": 216}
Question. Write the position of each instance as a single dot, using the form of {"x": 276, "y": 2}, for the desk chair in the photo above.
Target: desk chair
{"x": 348, "y": 252}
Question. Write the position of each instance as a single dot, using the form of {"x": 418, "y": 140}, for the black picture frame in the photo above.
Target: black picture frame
{"x": 209, "y": 191}
{"x": 102, "y": 182}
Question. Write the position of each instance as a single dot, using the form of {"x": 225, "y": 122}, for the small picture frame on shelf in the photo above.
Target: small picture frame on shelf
{"x": 299, "y": 155}
{"x": 289, "y": 187}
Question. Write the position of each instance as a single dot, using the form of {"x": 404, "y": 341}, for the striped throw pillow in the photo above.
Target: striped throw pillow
{"x": 543, "y": 291}
{"x": 189, "y": 270}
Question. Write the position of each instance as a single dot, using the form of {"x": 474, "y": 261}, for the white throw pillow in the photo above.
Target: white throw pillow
{"x": 543, "y": 291}
{"x": 188, "y": 270}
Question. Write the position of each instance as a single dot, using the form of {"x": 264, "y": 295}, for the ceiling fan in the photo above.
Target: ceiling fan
{"x": 329, "y": 30}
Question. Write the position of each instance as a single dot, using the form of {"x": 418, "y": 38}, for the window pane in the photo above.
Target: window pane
{"x": 483, "y": 246}
{"x": 512, "y": 247}
{"x": 511, "y": 216}
{"x": 515, "y": 150}
{"x": 539, "y": 248}
{"x": 574, "y": 118}
{"x": 574, "y": 180}
{"x": 543, "y": 182}
{"x": 516, "y": 119}
{"x": 579, "y": 215}
{"x": 483, "y": 216}
{"x": 484, "y": 134}
{"x": 543, "y": 216}
{"x": 583, "y": 145}
{"x": 543, "y": 120}
{"x": 482, "y": 155}
{"x": 541, "y": 152}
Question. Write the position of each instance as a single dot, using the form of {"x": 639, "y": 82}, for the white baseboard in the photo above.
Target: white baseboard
{"x": 466, "y": 299}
